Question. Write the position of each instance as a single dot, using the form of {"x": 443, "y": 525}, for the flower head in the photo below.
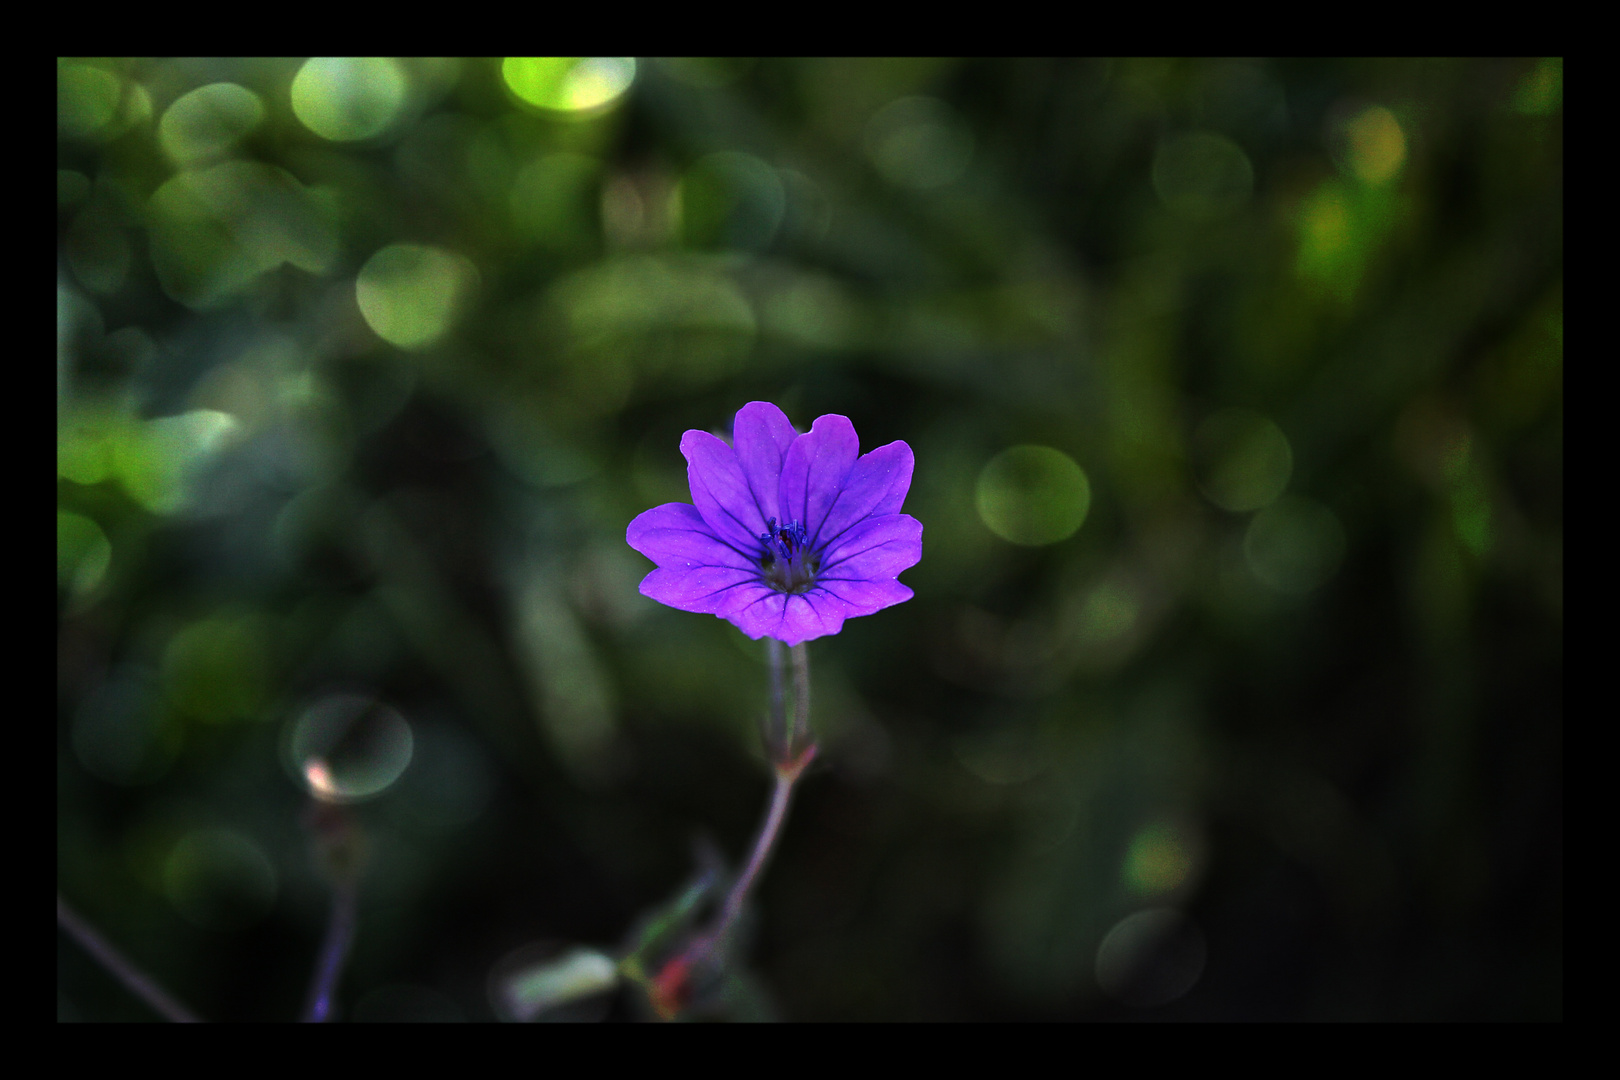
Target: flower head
{"x": 790, "y": 534}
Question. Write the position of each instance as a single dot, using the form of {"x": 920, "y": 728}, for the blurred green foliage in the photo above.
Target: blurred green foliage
{"x": 1232, "y": 688}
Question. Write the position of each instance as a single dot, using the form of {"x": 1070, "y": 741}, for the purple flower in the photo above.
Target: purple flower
{"x": 791, "y": 535}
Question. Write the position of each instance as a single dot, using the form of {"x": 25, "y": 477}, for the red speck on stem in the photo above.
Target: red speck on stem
{"x": 672, "y": 987}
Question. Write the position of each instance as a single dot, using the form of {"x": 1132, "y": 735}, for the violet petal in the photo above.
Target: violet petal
{"x": 720, "y": 490}
{"x": 705, "y": 589}
{"x": 865, "y": 597}
{"x": 870, "y": 483}
{"x": 761, "y": 436}
{"x": 899, "y": 484}
{"x": 814, "y": 469}
{"x": 675, "y": 535}
{"x": 791, "y": 617}
{"x": 876, "y": 549}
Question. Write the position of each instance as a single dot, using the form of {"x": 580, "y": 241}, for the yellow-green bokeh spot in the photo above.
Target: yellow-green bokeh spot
{"x": 410, "y": 294}
{"x": 1160, "y": 859}
{"x": 1341, "y": 225}
{"x": 349, "y": 98}
{"x": 1033, "y": 495}
{"x": 1202, "y": 176}
{"x": 83, "y": 553}
{"x": 217, "y": 669}
{"x": 1377, "y": 145}
{"x": 1242, "y": 459}
{"x": 208, "y": 121}
{"x": 1542, "y": 91}
{"x": 568, "y": 84}
{"x": 1294, "y": 545}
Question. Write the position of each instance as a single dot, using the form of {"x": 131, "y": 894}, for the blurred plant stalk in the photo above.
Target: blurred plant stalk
{"x": 340, "y": 852}
{"x": 791, "y": 748}
{"x": 134, "y": 979}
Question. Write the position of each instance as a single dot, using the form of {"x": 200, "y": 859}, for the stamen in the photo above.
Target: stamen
{"x": 785, "y": 541}
{"x": 788, "y": 564}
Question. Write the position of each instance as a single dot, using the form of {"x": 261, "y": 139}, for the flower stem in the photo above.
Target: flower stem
{"x": 776, "y": 729}
{"x": 340, "y": 851}
{"x": 801, "y": 700}
{"x": 790, "y": 751}
{"x": 334, "y": 951}
{"x": 133, "y": 978}
{"x": 764, "y": 843}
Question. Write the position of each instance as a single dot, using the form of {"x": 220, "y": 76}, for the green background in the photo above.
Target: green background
{"x": 1235, "y": 389}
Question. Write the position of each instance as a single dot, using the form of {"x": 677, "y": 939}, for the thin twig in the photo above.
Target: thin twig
{"x": 137, "y": 981}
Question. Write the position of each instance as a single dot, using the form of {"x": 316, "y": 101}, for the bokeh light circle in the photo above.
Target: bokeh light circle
{"x": 87, "y": 100}
{"x": 916, "y": 142}
{"x": 1242, "y": 459}
{"x": 1294, "y": 545}
{"x": 349, "y": 747}
{"x": 1151, "y": 958}
{"x": 1033, "y": 495}
{"x": 220, "y": 879}
{"x": 83, "y": 552}
{"x": 1376, "y": 147}
{"x": 730, "y": 199}
{"x": 1202, "y": 176}
{"x": 410, "y": 294}
{"x": 349, "y": 98}
{"x": 208, "y": 121}
{"x": 568, "y": 84}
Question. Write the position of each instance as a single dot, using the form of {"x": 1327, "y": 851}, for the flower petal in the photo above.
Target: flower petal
{"x": 814, "y": 469}
{"x": 899, "y": 483}
{"x": 865, "y": 597}
{"x": 676, "y": 536}
{"x": 790, "y": 617}
{"x": 761, "y": 435}
{"x": 875, "y": 550}
{"x": 704, "y": 589}
{"x": 873, "y": 482}
{"x": 721, "y": 491}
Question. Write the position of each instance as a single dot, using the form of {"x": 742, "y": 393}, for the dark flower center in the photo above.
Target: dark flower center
{"x": 788, "y": 563}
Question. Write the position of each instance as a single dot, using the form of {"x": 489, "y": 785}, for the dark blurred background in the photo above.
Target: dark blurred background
{"x": 1232, "y": 686}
